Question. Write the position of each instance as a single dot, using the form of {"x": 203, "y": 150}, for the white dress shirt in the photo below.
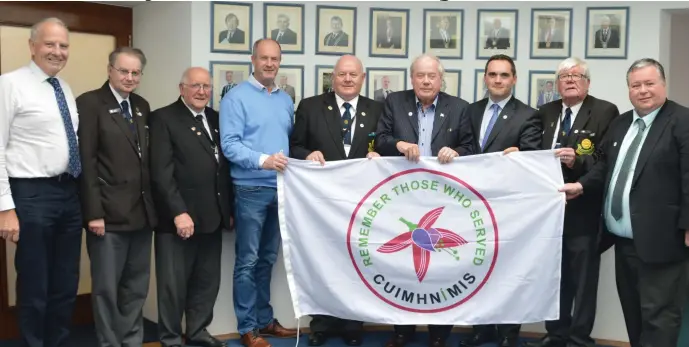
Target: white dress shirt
{"x": 119, "y": 99}
{"x": 205, "y": 125}
{"x": 352, "y": 111}
{"x": 575, "y": 111}
{"x": 33, "y": 141}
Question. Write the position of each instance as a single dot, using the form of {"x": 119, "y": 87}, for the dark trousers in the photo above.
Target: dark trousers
{"x": 333, "y": 325}
{"x": 435, "y": 331}
{"x": 188, "y": 276}
{"x": 120, "y": 270}
{"x": 652, "y": 297}
{"x": 498, "y": 331}
{"x": 47, "y": 258}
{"x": 578, "y": 288}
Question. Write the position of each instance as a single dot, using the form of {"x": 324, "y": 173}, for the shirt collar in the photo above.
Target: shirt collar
{"x": 340, "y": 101}
{"x": 260, "y": 86}
{"x": 575, "y": 108}
{"x": 40, "y": 74}
{"x": 500, "y": 103}
{"x": 648, "y": 119}
{"x": 119, "y": 97}
{"x": 194, "y": 113}
{"x": 418, "y": 103}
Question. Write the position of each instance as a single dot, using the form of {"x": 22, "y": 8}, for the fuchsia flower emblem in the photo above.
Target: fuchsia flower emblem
{"x": 424, "y": 239}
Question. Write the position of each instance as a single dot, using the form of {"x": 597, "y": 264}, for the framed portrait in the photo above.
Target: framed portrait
{"x": 335, "y": 30}
{"x": 389, "y": 36}
{"x": 231, "y": 24}
{"x": 226, "y": 75}
{"x": 380, "y": 82}
{"x": 496, "y": 33}
{"x": 452, "y": 82}
{"x": 480, "y": 88}
{"x": 324, "y": 79}
{"x": 284, "y": 23}
{"x": 443, "y": 32}
{"x": 290, "y": 79}
{"x": 607, "y": 32}
{"x": 551, "y": 33}
{"x": 542, "y": 88}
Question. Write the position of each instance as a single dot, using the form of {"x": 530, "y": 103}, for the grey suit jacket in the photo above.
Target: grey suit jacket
{"x": 290, "y": 91}
{"x": 400, "y": 122}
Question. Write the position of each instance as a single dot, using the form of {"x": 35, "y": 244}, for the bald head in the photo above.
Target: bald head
{"x": 195, "y": 88}
{"x": 348, "y": 77}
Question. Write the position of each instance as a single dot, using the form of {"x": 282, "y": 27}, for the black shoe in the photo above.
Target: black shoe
{"x": 436, "y": 342}
{"x": 477, "y": 339}
{"x": 317, "y": 339}
{"x": 207, "y": 341}
{"x": 547, "y": 342}
{"x": 508, "y": 342}
{"x": 352, "y": 338}
{"x": 399, "y": 340}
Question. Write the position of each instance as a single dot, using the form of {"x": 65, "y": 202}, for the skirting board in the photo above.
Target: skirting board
{"x": 423, "y": 328}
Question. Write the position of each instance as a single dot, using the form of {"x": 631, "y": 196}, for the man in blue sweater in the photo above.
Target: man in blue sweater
{"x": 256, "y": 120}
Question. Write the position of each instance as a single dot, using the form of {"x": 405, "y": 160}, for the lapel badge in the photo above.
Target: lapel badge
{"x": 138, "y": 113}
{"x": 614, "y": 144}
{"x": 449, "y": 130}
{"x": 576, "y": 131}
{"x": 504, "y": 117}
{"x": 114, "y": 110}
{"x": 410, "y": 114}
{"x": 363, "y": 114}
{"x": 361, "y": 125}
{"x": 330, "y": 108}
{"x": 442, "y": 115}
{"x": 193, "y": 128}
{"x": 198, "y": 133}
{"x": 552, "y": 124}
{"x": 216, "y": 130}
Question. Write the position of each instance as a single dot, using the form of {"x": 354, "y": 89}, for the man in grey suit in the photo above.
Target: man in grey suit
{"x": 424, "y": 122}
{"x": 289, "y": 89}
{"x": 381, "y": 94}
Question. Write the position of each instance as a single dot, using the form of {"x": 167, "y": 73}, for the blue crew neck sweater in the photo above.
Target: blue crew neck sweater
{"x": 254, "y": 122}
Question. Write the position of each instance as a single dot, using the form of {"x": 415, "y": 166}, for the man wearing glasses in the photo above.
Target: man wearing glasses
{"x": 575, "y": 126}
{"x": 191, "y": 187}
{"x": 116, "y": 201}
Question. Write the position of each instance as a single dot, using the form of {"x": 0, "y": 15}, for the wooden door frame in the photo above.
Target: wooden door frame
{"x": 82, "y": 17}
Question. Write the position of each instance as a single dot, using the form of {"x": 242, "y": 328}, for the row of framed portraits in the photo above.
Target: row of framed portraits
{"x": 607, "y": 31}
{"x": 379, "y": 82}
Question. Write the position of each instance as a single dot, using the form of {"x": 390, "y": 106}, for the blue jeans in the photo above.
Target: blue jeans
{"x": 256, "y": 249}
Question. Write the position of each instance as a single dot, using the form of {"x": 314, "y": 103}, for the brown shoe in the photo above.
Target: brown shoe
{"x": 274, "y": 329}
{"x": 252, "y": 339}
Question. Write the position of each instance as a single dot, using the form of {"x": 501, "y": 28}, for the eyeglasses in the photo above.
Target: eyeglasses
{"x": 198, "y": 86}
{"x": 125, "y": 73}
{"x": 574, "y": 77}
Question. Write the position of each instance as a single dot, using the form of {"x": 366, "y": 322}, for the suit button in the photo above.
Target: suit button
{"x": 142, "y": 192}
{"x": 218, "y": 194}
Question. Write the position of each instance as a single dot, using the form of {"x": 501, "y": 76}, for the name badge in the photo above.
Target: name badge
{"x": 114, "y": 110}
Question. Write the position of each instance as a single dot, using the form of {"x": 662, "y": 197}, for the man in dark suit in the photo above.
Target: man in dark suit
{"x": 441, "y": 37}
{"x": 337, "y": 37}
{"x": 498, "y": 37}
{"x": 551, "y": 36}
{"x": 194, "y": 199}
{"x": 576, "y": 125}
{"x": 644, "y": 178}
{"x": 283, "y": 34}
{"x": 424, "y": 122}
{"x": 229, "y": 78}
{"x": 337, "y": 126}
{"x": 389, "y": 35}
{"x": 606, "y": 37}
{"x": 116, "y": 200}
{"x": 233, "y": 34}
{"x": 501, "y": 122}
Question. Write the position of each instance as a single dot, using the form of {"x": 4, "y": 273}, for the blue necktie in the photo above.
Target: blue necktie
{"x": 128, "y": 118}
{"x": 347, "y": 124}
{"x": 567, "y": 122}
{"x": 74, "y": 163}
{"x": 493, "y": 119}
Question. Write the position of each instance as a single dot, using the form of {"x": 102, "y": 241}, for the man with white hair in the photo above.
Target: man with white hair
{"x": 39, "y": 167}
{"x": 424, "y": 122}
{"x": 644, "y": 177}
{"x": 193, "y": 196}
{"x": 575, "y": 126}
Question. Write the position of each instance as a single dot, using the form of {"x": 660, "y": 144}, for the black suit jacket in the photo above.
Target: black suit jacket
{"x": 289, "y": 37}
{"x": 659, "y": 197}
{"x": 395, "y": 40}
{"x": 317, "y": 127}
{"x": 115, "y": 181}
{"x": 591, "y": 123}
{"x": 237, "y": 37}
{"x": 186, "y": 176}
{"x": 438, "y": 42}
{"x": 400, "y": 122}
{"x": 522, "y": 128}
{"x": 613, "y": 40}
{"x": 342, "y": 40}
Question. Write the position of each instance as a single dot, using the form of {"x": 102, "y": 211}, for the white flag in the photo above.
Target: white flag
{"x": 476, "y": 241}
